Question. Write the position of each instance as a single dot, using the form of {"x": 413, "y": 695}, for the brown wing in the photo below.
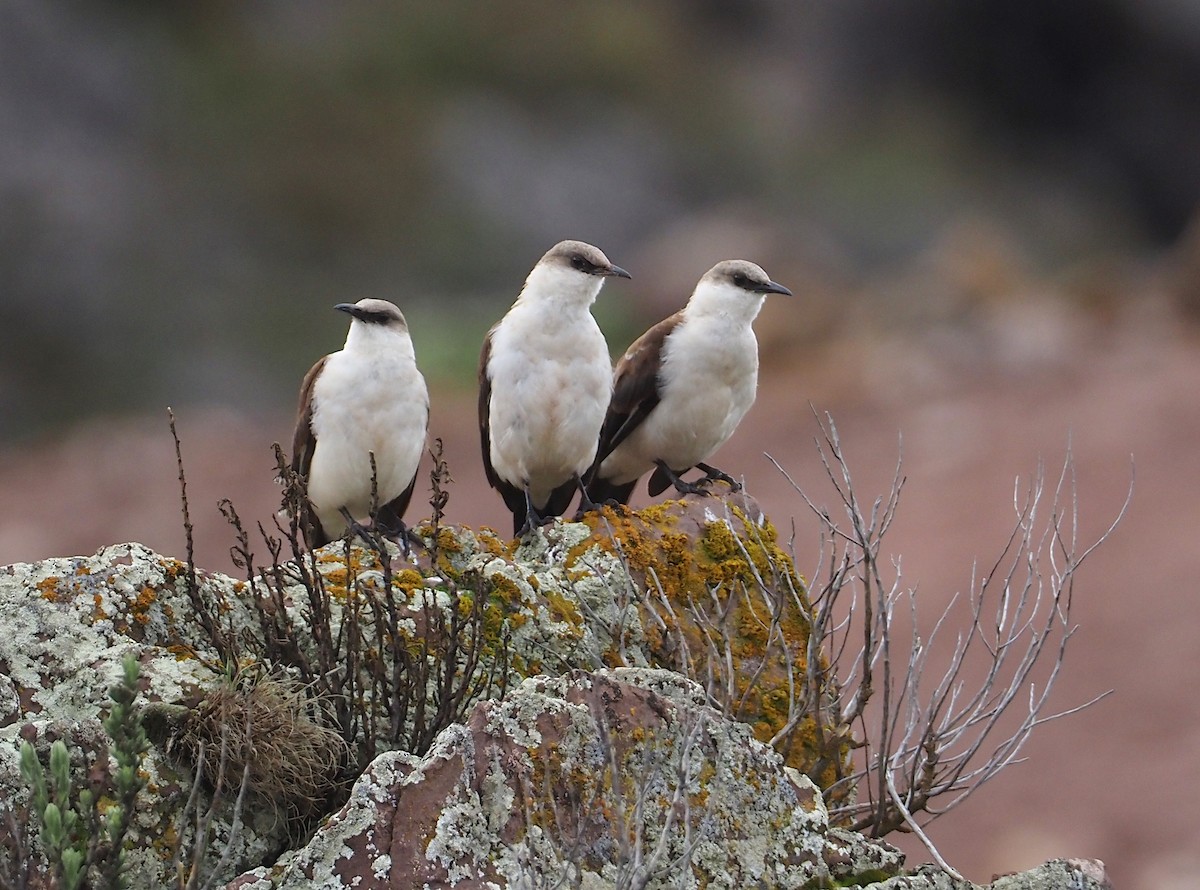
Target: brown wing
{"x": 635, "y": 387}
{"x": 485, "y": 399}
{"x": 304, "y": 442}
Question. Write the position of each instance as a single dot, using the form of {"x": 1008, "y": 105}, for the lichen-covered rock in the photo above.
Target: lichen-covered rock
{"x": 66, "y": 624}
{"x": 597, "y": 777}
{"x": 713, "y": 596}
{"x": 468, "y": 616}
{"x": 699, "y": 586}
{"x": 531, "y": 697}
{"x": 1058, "y": 874}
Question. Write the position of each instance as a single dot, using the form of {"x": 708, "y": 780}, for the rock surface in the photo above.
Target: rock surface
{"x": 67, "y": 623}
{"x": 523, "y": 796}
{"x": 609, "y": 779}
{"x": 600, "y": 762}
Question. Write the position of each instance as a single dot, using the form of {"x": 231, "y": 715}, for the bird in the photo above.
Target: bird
{"x": 682, "y": 388}
{"x": 367, "y": 399}
{"x": 545, "y": 378}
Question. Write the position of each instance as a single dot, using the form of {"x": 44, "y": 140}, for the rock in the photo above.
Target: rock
{"x": 598, "y": 777}
{"x": 714, "y": 597}
{"x": 523, "y": 796}
{"x": 67, "y": 624}
{"x": 1059, "y": 874}
{"x": 563, "y": 599}
{"x": 530, "y": 702}
{"x": 1085, "y": 874}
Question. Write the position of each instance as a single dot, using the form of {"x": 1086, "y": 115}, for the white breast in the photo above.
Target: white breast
{"x": 708, "y": 378}
{"x": 551, "y": 382}
{"x": 365, "y": 403}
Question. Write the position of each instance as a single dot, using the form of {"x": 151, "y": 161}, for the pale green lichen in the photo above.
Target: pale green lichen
{"x": 747, "y": 816}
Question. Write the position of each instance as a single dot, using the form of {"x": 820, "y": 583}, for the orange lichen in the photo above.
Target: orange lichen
{"x": 141, "y": 606}
{"x": 49, "y": 588}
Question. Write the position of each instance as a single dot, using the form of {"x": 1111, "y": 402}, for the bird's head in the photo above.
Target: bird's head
{"x": 735, "y": 288}
{"x": 571, "y": 271}
{"x": 375, "y": 312}
{"x": 375, "y": 324}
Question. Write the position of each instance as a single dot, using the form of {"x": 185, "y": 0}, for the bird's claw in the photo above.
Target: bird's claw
{"x": 696, "y": 488}
{"x": 712, "y": 474}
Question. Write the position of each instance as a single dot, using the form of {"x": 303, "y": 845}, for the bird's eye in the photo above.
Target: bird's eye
{"x": 740, "y": 279}
{"x": 578, "y": 262}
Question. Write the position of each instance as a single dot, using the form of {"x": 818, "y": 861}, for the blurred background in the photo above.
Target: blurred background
{"x": 987, "y": 212}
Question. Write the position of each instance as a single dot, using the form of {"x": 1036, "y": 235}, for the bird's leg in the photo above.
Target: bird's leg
{"x": 391, "y": 524}
{"x": 357, "y": 529}
{"x": 394, "y": 528}
{"x": 680, "y": 486}
{"x": 532, "y": 517}
{"x": 711, "y": 474}
{"x": 586, "y": 504}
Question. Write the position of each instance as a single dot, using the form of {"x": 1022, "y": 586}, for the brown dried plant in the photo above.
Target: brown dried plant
{"x": 932, "y": 728}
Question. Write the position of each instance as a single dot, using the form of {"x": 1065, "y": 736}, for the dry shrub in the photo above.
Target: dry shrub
{"x": 263, "y": 725}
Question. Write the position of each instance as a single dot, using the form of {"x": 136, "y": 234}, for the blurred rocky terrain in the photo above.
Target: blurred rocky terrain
{"x": 987, "y": 215}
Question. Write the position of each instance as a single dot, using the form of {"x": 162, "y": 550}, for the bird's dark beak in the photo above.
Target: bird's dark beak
{"x": 772, "y": 287}
{"x": 616, "y": 271}
{"x": 349, "y": 308}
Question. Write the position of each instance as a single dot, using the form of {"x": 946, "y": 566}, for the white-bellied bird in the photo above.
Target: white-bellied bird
{"x": 682, "y": 388}
{"x": 367, "y": 399}
{"x": 545, "y": 379}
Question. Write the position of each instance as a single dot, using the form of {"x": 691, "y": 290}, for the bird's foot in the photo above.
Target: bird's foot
{"x": 533, "y": 519}
{"x": 712, "y": 474}
{"x": 374, "y": 533}
{"x": 586, "y": 504}
{"x": 698, "y": 488}
{"x": 400, "y": 533}
{"x": 531, "y": 524}
{"x": 682, "y": 487}
{"x": 355, "y": 529}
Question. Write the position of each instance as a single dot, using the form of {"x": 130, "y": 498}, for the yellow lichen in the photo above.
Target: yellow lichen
{"x": 717, "y": 585}
{"x": 408, "y": 580}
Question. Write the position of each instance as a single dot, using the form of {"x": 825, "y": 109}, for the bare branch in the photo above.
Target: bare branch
{"x": 929, "y": 734}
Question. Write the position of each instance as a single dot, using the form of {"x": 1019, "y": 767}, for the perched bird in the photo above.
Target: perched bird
{"x": 682, "y": 388}
{"x": 545, "y": 378}
{"x": 369, "y": 398}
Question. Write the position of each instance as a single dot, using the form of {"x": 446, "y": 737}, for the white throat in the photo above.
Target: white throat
{"x": 372, "y": 339}
{"x": 723, "y": 301}
{"x": 563, "y": 285}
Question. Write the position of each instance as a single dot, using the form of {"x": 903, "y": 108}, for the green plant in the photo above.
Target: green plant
{"x": 83, "y": 831}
